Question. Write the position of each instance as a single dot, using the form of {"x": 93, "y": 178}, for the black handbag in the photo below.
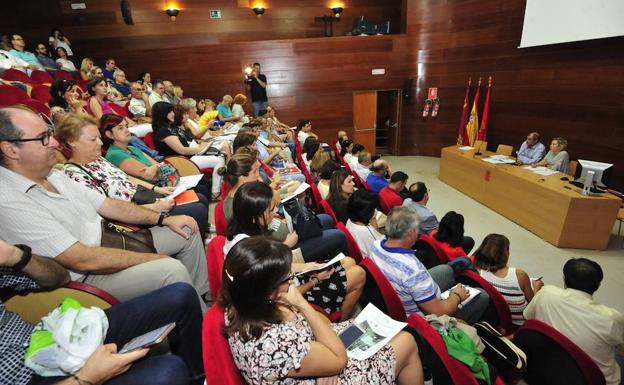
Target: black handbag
{"x": 305, "y": 223}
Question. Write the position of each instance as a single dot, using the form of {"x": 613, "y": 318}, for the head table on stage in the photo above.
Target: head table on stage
{"x": 548, "y": 206}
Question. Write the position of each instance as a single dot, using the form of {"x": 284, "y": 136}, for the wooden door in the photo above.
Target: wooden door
{"x": 395, "y": 123}
{"x": 364, "y": 118}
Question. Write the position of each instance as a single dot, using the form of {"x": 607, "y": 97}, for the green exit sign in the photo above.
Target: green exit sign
{"x": 215, "y": 13}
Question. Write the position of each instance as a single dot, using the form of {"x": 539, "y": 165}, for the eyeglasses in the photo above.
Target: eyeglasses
{"x": 43, "y": 138}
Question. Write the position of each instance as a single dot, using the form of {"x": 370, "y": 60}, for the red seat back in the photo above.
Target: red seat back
{"x": 127, "y": 109}
{"x": 225, "y": 189}
{"x": 435, "y": 246}
{"x": 220, "y": 220}
{"x": 266, "y": 168}
{"x": 366, "y": 186}
{"x": 380, "y": 292}
{"x": 41, "y": 77}
{"x": 352, "y": 246}
{"x": 459, "y": 373}
{"x": 504, "y": 324}
{"x": 553, "y": 358}
{"x": 41, "y": 93}
{"x": 214, "y": 260}
{"x": 328, "y": 210}
{"x": 358, "y": 181}
{"x": 16, "y": 75}
{"x": 36, "y": 105}
{"x": 219, "y": 363}
{"x": 148, "y": 139}
{"x": 10, "y": 95}
{"x": 63, "y": 75}
{"x": 297, "y": 144}
{"x": 119, "y": 110}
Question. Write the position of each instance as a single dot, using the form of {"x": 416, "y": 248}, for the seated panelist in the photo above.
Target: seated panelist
{"x": 557, "y": 158}
{"x": 531, "y": 151}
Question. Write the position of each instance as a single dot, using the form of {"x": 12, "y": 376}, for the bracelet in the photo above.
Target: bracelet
{"x": 26, "y": 256}
{"x": 459, "y": 297}
{"x": 81, "y": 381}
{"x": 153, "y": 187}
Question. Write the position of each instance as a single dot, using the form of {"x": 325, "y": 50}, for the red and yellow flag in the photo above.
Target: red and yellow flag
{"x": 462, "y": 138}
{"x": 473, "y": 122}
{"x": 482, "y": 135}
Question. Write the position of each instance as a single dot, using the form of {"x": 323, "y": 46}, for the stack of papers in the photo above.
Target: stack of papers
{"x": 473, "y": 294}
{"x": 541, "y": 170}
{"x": 466, "y": 148}
{"x": 499, "y": 159}
{"x": 185, "y": 183}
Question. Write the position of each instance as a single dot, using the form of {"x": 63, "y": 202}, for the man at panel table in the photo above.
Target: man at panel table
{"x": 531, "y": 150}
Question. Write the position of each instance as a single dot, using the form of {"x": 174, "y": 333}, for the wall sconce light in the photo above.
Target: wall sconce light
{"x": 173, "y": 13}
{"x": 259, "y": 11}
{"x": 337, "y": 11}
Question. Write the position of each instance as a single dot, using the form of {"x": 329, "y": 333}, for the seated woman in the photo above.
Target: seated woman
{"x": 188, "y": 106}
{"x": 325, "y": 246}
{"x": 85, "y": 67}
{"x": 276, "y": 337}
{"x": 491, "y": 258}
{"x": 362, "y": 208}
{"x": 171, "y": 139}
{"x": 120, "y": 151}
{"x": 345, "y": 151}
{"x": 63, "y": 61}
{"x": 324, "y": 175}
{"x": 341, "y": 187}
{"x": 145, "y": 79}
{"x": 355, "y": 153}
{"x": 238, "y": 110}
{"x": 96, "y": 104}
{"x": 557, "y": 158}
{"x": 65, "y": 94}
{"x": 81, "y": 135}
{"x": 254, "y": 215}
{"x": 450, "y": 234}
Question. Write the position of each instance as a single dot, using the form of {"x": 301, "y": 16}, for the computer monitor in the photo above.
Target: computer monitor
{"x": 598, "y": 168}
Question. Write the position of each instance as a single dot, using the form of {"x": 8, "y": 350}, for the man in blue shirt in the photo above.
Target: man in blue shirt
{"x": 225, "y": 109}
{"x": 121, "y": 84}
{"x": 18, "y": 51}
{"x": 531, "y": 150}
{"x": 109, "y": 69}
{"x": 377, "y": 178}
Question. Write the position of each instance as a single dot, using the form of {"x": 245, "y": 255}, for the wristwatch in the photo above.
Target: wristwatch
{"x": 26, "y": 256}
{"x": 161, "y": 218}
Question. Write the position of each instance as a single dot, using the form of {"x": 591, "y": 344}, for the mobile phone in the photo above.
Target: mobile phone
{"x": 350, "y": 335}
{"x": 148, "y": 339}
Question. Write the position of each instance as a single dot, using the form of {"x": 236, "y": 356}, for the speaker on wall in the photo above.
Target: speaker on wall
{"x": 126, "y": 13}
{"x": 407, "y": 88}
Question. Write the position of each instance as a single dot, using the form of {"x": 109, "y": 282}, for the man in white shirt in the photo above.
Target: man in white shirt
{"x": 59, "y": 218}
{"x": 9, "y": 61}
{"x": 595, "y": 328}
{"x": 139, "y": 103}
{"x": 158, "y": 90}
{"x": 362, "y": 168}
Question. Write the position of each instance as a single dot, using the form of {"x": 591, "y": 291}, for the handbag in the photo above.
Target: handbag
{"x": 117, "y": 237}
{"x": 509, "y": 359}
{"x": 305, "y": 223}
{"x": 167, "y": 175}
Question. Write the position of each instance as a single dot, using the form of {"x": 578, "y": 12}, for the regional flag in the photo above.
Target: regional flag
{"x": 482, "y": 135}
{"x": 473, "y": 122}
{"x": 462, "y": 138}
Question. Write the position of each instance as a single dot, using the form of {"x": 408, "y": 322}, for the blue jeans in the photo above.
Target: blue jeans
{"x": 331, "y": 242}
{"x": 443, "y": 276}
{"x": 174, "y": 303}
{"x": 257, "y": 106}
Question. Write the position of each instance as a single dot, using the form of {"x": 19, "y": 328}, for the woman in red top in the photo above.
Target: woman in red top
{"x": 450, "y": 236}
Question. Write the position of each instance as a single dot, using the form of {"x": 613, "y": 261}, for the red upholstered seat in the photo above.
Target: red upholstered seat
{"x": 434, "y": 245}
{"x": 64, "y": 75}
{"x": 41, "y": 77}
{"x": 553, "y": 358}
{"x": 36, "y": 105}
{"x": 366, "y": 186}
{"x": 328, "y": 210}
{"x": 219, "y": 364}
{"x": 41, "y": 93}
{"x": 220, "y": 220}
{"x": 119, "y": 110}
{"x": 266, "y": 168}
{"x": 149, "y": 140}
{"x": 352, "y": 246}
{"x": 16, "y": 75}
{"x": 11, "y": 95}
{"x": 214, "y": 260}
{"x": 379, "y": 291}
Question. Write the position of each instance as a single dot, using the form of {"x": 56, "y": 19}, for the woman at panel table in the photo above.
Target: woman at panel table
{"x": 556, "y": 159}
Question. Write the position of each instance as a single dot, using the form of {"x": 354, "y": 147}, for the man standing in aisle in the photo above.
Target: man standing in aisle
{"x": 257, "y": 84}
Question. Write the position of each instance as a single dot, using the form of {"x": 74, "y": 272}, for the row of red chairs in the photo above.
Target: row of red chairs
{"x": 38, "y": 77}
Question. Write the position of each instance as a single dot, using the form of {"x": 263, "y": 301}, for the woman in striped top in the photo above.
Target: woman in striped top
{"x": 514, "y": 284}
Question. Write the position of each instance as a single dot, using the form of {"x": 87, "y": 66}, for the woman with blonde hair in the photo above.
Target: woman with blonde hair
{"x": 557, "y": 158}
{"x": 85, "y": 68}
{"x": 178, "y": 92}
{"x": 237, "y": 108}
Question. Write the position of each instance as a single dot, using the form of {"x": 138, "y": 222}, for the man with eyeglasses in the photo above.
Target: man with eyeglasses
{"x": 61, "y": 219}
{"x": 139, "y": 103}
{"x": 19, "y": 52}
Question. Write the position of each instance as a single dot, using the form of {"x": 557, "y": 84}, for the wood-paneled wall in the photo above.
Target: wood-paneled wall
{"x": 572, "y": 90}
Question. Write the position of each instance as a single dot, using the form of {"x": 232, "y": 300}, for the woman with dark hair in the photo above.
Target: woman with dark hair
{"x": 309, "y": 149}
{"x": 450, "y": 234}
{"x": 65, "y": 94}
{"x": 276, "y": 337}
{"x": 491, "y": 258}
{"x": 145, "y": 79}
{"x": 352, "y": 158}
{"x": 362, "y": 208}
{"x": 341, "y": 187}
{"x": 346, "y": 148}
{"x": 171, "y": 140}
{"x": 86, "y": 166}
{"x": 96, "y": 103}
{"x": 325, "y": 174}
{"x": 342, "y": 288}
{"x": 63, "y": 61}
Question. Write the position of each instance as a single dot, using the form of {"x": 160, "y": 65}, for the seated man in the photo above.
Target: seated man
{"x": 418, "y": 288}
{"x": 169, "y": 95}
{"x": 342, "y": 136}
{"x": 531, "y": 151}
{"x": 139, "y": 105}
{"x": 158, "y": 90}
{"x": 362, "y": 168}
{"x": 120, "y": 83}
{"x": 596, "y": 329}
{"x": 44, "y": 58}
{"x": 419, "y": 196}
{"x": 225, "y": 109}
{"x": 60, "y": 219}
{"x": 21, "y": 271}
{"x": 390, "y": 195}
{"x": 19, "y": 52}
{"x": 7, "y": 60}
{"x": 377, "y": 179}
{"x": 304, "y": 129}
{"x": 109, "y": 69}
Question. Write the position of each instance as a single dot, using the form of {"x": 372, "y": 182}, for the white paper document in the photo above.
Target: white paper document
{"x": 499, "y": 159}
{"x": 185, "y": 183}
{"x": 371, "y": 330}
{"x": 473, "y": 294}
{"x": 466, "y": 148}
{"x": 302, "y": 187}
{"x": 337, "y": 258}
{"x": 541, "y": 170}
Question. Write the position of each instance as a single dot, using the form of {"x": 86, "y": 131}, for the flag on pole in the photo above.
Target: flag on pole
{"x": 462, "y": 138}
{"x": 482, "y": 135}
{"x": 473, "y": 122}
